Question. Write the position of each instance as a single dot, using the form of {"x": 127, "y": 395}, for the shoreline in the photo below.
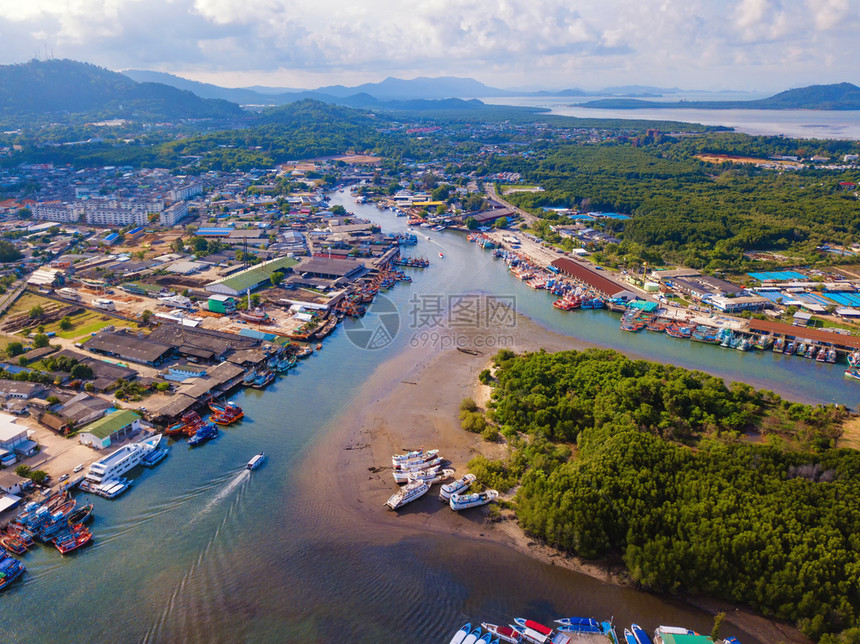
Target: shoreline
{"x": 412, "y": 400}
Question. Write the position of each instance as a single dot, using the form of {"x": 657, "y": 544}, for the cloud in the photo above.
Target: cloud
{"x": 553, "y": 42}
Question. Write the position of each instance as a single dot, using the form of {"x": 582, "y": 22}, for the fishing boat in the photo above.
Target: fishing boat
{"x": 640, "y": 634}
{"x": 460, "y": 485}
{"x": 249, "y": 378}
{"x": 778, "y": 345}
{"x": 407, "y": 494}
{"x": 81, "y": 514}
{"x": 225, "y": 414}
{"x": 822, "y": 355}
{"x": 326, "y": 329}
{"x": 460, "y": 635}
{"x": 73, "y": 539}
{"x": 465, "y": 501}
{"x": 205, "y": 433}
{"x": 504, "y": 633}
{"x": 10, "y": 570}
{"x": 441, "y": 256}
{"x": 800, "y": 350}
{"x": 256, "y": 315}
{"x": 831, "y": 355}
{"x": 679, "y": 331}
{"x": 304, "y": 352}
{"x": 853, "y": 373}
{"x": 629, "y": 638}
{"x": 580, "y": 624}
{"x": 13, "y": 544}
{"x": 790, "y": 348}
{"x": 256, "y": 461}
{"x": 854, "y": 358}
{"x": 263, "y": 379}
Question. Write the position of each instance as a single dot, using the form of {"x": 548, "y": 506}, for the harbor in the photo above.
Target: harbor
{"x": 308, "y": 559}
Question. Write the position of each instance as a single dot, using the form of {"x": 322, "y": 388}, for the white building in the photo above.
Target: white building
{"x": 181, "y": 193}
{"x": 114, "y": 212}
{"x": 60, "y": 212}
{"x": 14, "y": 437}
{"x": 174, "y": 214}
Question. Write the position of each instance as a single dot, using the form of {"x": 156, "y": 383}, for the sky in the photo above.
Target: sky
{"x": 754, "y": 45}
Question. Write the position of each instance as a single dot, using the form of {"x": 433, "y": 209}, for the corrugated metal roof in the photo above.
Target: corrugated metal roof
{"x": 106, "y": 426}
{"x": 256, "y": 275}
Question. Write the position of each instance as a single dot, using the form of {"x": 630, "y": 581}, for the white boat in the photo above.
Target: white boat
{"x": 460, "y": 635}
{"x": 409, "y": 456}
{"x": 431, "y": 476}
{"x": 415, "y": 460}
{"x": 122, "y": 460}
{"x": 256, "y": 461}
{"x": 407, "y": 494}
{"x": 404, "y": 476}
{"x": 504, "y": 633}
{"x": 458, "y": 486}
{"x": 465, "y": 501}
{"x": 401, "y": 474}
{"x": 472, "y": 637}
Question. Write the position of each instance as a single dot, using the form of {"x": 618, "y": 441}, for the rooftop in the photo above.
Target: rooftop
{"x": 251, "y": 277}
{"x": 106, "y": 426}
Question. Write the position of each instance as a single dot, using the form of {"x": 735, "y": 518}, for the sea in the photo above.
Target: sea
{"x": 801, "y": 124}
{"x": 200, "y": 550}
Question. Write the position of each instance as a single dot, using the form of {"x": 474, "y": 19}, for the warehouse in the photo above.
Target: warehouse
{"x": 250, "y": 278}
{"x": 605, "y": 286}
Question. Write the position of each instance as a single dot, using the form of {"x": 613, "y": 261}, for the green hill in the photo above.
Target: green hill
{"x": 53, "y": 88}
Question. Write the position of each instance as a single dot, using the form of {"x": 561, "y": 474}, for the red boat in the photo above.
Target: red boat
{"x": 13, "y": 544}
{"x": 73, "y": 539}
{"x": 225, "y": 414}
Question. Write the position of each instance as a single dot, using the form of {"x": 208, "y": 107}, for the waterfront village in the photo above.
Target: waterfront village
{"x": 138, "y": 300}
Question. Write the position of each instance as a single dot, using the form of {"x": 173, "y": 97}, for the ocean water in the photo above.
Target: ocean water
{"x": 804, "y": 124}
{"x": 201, "y": 551}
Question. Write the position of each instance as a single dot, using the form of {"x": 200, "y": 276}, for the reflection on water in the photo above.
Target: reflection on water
{"x": 200, "y": 550}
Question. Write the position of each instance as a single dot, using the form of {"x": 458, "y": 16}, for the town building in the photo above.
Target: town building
{"x": 113, "y": 428}
{"x": 174, "y": 214}
{"x": 606, "y": 287}
{"x": 250, "y": 278}
{"x": 15, "y": 438}
{"x": 127, "y": 346}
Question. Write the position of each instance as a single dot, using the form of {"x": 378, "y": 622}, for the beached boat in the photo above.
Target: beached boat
{"x": 407, "y": 494}
{"x": 256, "y": 315}
{"x": 456, "y": 487}
{"x": 466, "y": 501}
{"x": 670, "y": 630}
{"x": 431, "y": 476}
{"x": 640, "y": 634}
{"x": 414, "y": 456}
{"x": 10, "y": 570}
{"x": 472, "y": 637}
{"x": 404, "y": 474}
{"x": 256, "y": 461}
{"x": 205, "y": 433}
{"x": 504, "y": 633}
{"x": 629, "y": 638}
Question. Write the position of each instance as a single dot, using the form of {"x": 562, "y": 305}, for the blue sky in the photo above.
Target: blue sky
{"x": 761, "y": 45}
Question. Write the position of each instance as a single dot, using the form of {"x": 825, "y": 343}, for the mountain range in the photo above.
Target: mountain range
{"x": 839, "y": 96}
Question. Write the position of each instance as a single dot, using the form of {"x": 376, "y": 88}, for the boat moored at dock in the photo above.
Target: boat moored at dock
{"x": 10, "y": 570}
{"x": 504, "y": 633}
{"x": 121, "y": 461}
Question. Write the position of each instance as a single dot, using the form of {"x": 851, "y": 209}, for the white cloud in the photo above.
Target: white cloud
{"x": 554, "y": 42}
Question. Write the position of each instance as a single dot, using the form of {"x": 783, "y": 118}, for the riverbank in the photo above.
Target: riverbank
{"x": 413, "y": 400}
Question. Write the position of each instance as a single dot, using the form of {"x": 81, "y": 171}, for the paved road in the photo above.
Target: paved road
{"x": 492, "y": 194}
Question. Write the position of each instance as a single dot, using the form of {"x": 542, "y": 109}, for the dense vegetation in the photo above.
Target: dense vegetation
{"x": 663, "y": 480}
{"x": 692, "y": 212}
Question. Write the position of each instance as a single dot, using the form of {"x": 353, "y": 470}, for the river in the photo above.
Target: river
{"x": 201, "y": 551}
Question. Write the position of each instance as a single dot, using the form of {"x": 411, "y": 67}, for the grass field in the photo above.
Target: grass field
{"x": 27, "y": 301}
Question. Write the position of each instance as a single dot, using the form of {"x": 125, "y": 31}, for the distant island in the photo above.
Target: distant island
{"x": 840, "y": 96}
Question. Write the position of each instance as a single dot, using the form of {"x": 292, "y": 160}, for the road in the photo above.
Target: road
{"x": 490, "y": 189}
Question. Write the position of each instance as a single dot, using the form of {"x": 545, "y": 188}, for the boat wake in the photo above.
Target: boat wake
{"x": 240, "y": 478}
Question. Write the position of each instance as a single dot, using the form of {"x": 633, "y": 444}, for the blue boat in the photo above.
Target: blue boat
{"x": 460, "y": 635}
{"x": 580, "y": 624}
{"x": 629, "y": 638}
{"x": 640, "y": 634}
{"x": 10, "y": 569}
{"x": 205, "y": 433}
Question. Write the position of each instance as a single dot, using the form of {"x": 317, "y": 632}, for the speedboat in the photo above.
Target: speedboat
{"x": 460, "y": 635}
{"x": 629, "y": 638}
{"x": 538, "y": 633}
{"x": 504, "y": 633}
{"x": 580, "y": 624}
{"x": 460, "y": 485}
{"x": 466, "y": 501}
{"x": 472, "y": 637}
{"x": 256, "y": 461}
{"x": 640, "y": 634}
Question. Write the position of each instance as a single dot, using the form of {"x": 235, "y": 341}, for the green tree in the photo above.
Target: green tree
{"x": 146, "y": 316}
{"x": 471, "y": 223}
{"x": 337, "y": 209}
{"x": 36, "y": 311}
{"x": 41, "y": 340}
{"x": 14, "y": 348}
{"x": 38, "y": 476}
{"x": 66, "y": 323}
{"x": 177, "y": 246}
{"x": 501, "y": 222}
{"x": 276, "y": 278}
{"x": 81, "y": 372}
